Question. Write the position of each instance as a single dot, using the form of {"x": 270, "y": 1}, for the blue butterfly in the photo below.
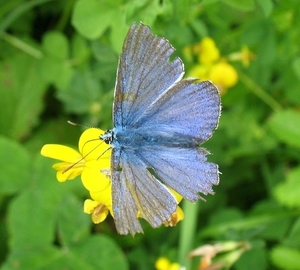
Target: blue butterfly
{"x": 159, "y": 122}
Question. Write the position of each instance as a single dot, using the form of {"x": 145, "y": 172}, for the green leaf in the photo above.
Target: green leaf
{"x": 209, "y": 2}
{"x": 285, "y": 257}
{"x": 105, "y": 55}
{"x": 17, "y": 11}
{"x": 285, "y": 125}
{"x": 54, "y": 131}
{"x": 91, "y": 17}
{"x": 226, "y": 215}
{"x": 35, "y": 209}
{"x": 267, "y": 50}
{"x": 73, "y": 224}
{"x": 222, "y": 227}
{"x": 287, "y": 193}
{"x": 55, "y": 67}
{"x": 96, "y": 252}
{"x": 15, "y": 166}
{"x": 296, "y": 67}
{"x": 255, "y": 258}
{"x": 266, "y": 6}
{"x": 56, "y": 71}
{"x": 277, "y": 229}
{"x": 81, "y": 52}
{"x": 199, "y": 27}
{"x": 21, "y": 91}
{"x": 55, "y": 44}
{"x": 293, "y": 238}
{"x": 33, "y": 213}
{"x": 243, "y": 5}
{"x": 83, "y": 92}
{"x": 32, "y": 258}
{"x": 118, "y": 33}
{"x": 143, "y": 10}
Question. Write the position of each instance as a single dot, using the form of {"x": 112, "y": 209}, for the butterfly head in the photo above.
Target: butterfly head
{"x": 107, "y": 137}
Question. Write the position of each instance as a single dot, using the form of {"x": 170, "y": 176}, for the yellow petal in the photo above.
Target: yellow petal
{"x": 175, "y": 218}
{"x": 94, "y": 180}
{"x": 174, "y": 266}
{"x": 91, "y": 146}
{"x": 98, "y": 164}
{"x": 223, "y": 75}
{"x": 99, "y": 211}
{"x": 247, "y": 56}
{"x": 208, "y": 51}
{"x": 103, "y": 196}
{"x": 176, "y": 195}
{"x": 89, "y": 206}
{"x": 179, "y": 213}
{"x": 60, "y": 152}
{"x": 162, "y": 263}
{"x": 62, "y": 176}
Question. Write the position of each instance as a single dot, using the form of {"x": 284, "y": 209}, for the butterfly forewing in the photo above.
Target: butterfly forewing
{"x": 188, "y": 108}
{"x": 144, "y": 73}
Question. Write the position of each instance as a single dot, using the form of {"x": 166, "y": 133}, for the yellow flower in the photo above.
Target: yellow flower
{"x": 98, "y": 210}
{"x": 102, "y": 197}
{"x": 212, "y": 67}
{"x": 163, "y": 263}
{"x": 175, "y": 218}
{"x": 101, "y": 204}
{"x": 223, "y": 75}
{"x": 93, "y": 163}
{"x": 72, "y": 164}
{"x": 245, "y": 56}
{"x": 208, "y": 51}
{"x": 178, "y": 215}
{"x": 199, "y": 71}
{"x": 85, "y": 162}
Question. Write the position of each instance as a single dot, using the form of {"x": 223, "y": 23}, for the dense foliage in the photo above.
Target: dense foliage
{"x": 58, "y": 62}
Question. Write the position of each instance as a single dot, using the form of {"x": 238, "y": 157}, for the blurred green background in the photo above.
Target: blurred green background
{"x": 58, "y": 61}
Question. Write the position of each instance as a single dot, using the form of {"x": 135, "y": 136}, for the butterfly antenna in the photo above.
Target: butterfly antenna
{"x": 104, "y": 152}
{"x": 71, "y": 166}
{"x": 80, "y": 125}
{"x": 78, "y": 161}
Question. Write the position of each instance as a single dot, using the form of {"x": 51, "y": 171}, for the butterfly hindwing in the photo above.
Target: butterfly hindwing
{"x": 135, "y": 192}
{"x": 183, "y": 169}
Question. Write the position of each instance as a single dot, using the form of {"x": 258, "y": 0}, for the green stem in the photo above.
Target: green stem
{"x": 22, "y": 46}
{"x": 187, "y": 232}
{"x": 260, "y": 92}
{"x": 65, "y": 18}
{"x": 17, "y": 12}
